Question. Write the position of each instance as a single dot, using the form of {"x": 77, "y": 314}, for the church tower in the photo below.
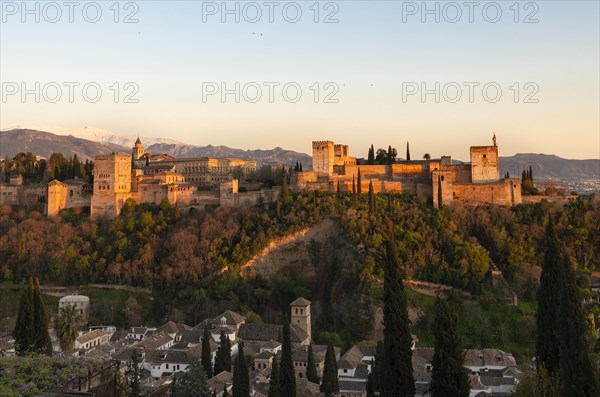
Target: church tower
{"x": 138, "y": 150}
{"x": 301, "y": 315}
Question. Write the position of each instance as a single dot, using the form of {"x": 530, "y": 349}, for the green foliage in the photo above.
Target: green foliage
{"x": 24, "y": 332}
{"x": 67, "y": 327}
{"x": 42, "y": 344}
{"x": 133, "y": 374}
{"x": 223, "y": 357}
{"x": 241, "y": 378}
{"x": 275, "y": 379}
{"x": 206, "y": 359}
{"x": 449, "y": 376}
{"x": 537, "y": 384}
{"x": 31, "y": 375}
{"x": 287, "y": 374}
{"x": 330, "y": 385}
{"x": 547, "y": 343}
{"x": 397, "y": 375}
{"x": 311, "y": 367}
{"x": 193, "y": 382}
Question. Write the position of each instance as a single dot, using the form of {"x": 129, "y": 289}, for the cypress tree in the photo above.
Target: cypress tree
{"x": 371, "y": 158}
{"x": 300, "y": 167}
{"x": 577, "y": 375}
{"x": 284, "y": 183}
{"x": 24, "y": 332}
{"x": 339, "y": 192}
{"x": 275, "y": 379}
{"x": 311, "y": 367}
{"x": 223, "y": 358}
{"x": 354, "y": 198}
{"x": 287, "y": 381}
{"x": 330, "y": 385}
{"x": 42, "y": 343}
{"x": 225, "y": 393}
{"x": 206, "y": 353}
{"x": 241, "y": 378}
{"x": 407, "y": 151}
{"x": 449, "y": 376}
{"x": 548, "y": 297}
{"x": 359, "y": 183}
{"x": 397, "y": 374}
{"x": 371, "y": 198}
{"x": 193, "y": 382}
{"x": 134, "y": 374}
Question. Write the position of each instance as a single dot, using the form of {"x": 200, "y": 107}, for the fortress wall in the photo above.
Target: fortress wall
{"x": 504, "y": 192}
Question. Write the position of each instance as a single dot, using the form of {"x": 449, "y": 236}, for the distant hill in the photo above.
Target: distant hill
{"x": 269, "y": 156}
{"x": 44, "y": 144}
{"x": 547, "y": 166}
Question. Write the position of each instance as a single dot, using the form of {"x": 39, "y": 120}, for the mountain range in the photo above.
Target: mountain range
{"x": 87, "y": 142}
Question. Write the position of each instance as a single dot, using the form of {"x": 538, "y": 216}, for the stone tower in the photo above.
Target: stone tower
{"x": 138, "y": 150}
{"x": 323, "y": 157}
{"x": 484, "y": 164}
{"x": 112, "y": 184}
{"x": 301, "y": 315}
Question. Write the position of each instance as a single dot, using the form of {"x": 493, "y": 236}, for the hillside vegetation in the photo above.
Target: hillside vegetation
{"x": 193, "y": 262}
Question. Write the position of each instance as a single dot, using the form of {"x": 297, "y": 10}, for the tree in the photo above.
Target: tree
{"x": 133, "y": 374}
{"x": 24, "y": 332}
{"x": 371, "y": 157}
{"x": 284, "y": 183}
{"x": 577, "y": 375}
{"x": 371, "y": 198}
{"x": 426, "y": 156}
{"x": 241, "y": 378}
{"x": 311, "y": 367}
{"x": 287, "y": 374}
{"x": 67, "y": 326}
{"x": 330, "y": 385}
{"x": 193, "y": 382}
{"x": 223, "y": 358}
{"x": 381, "y": 157}
{"x": 392, "y": 153}
{"x": 548, "y": 297}
{"x": 407, "y": 151}
{"x": 449, "y": 376}
{"x": 359, "y": 183}
{"x": 43, "y": 344}
{"x": 374, "y": 377}
{"x": 397, "y": 374}
{"x": 206, "y": 353}
{"x": 275, "y": 379}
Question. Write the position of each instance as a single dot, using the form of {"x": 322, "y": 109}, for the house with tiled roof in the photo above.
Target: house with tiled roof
{"x": 91, "y": 339}
{"x": 218, "y": 383}
{"x": 166, "y": 362}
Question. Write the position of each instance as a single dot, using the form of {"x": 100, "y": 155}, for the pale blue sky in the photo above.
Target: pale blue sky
{"x": 368, "y": 54}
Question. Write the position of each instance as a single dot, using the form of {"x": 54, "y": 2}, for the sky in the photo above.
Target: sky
{"x": 442, "y": 75}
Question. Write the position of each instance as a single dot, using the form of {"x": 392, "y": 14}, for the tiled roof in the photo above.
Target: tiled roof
{"x": 265, "y": 332}
{"x": 173, "y": 328}
{"x": 155, "y": 341}
{"x": 488, "y": 357}
{"x": 352, "y": 386}
{"x": 351, "y": 358}
{"x": 89, "y": 336}
{"x": 231, "y": 317}
{"x": 300, "y": 302}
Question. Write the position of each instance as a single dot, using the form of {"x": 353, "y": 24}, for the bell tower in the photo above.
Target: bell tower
{"x": 301, "y": 315}
{"x": 138, "y": 150}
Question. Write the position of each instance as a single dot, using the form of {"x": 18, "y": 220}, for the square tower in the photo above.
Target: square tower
{"x": 301, "y": 315}
{"x": 112, "y": 184}
{"x": 323, "y": 157}
{"x": 484, "y": 164}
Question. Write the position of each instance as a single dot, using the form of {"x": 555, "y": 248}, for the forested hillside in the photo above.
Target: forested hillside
{"x": 192, "y": 261}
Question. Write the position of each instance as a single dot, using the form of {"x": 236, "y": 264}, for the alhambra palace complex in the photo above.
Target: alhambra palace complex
{"x": 151, "y": 179}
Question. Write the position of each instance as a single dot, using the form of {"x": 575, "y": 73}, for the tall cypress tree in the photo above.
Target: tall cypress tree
{"x": 287, "y": 381}
{"x": 43, "y": 344}
{"x": 354, "y": 198}
{"x": 359, "y": 183}
{"x": 284, "y": 183}
{"x": 24, "y": 332}
{"x": 241, "y": 378}
{"x": 274, "y": 390}
{"x": 371, "y": 158}
{"x": 397, "y": 374}
{"x": 449, "y": 376}
{"x": 548, "y": 297}
{"x": 407, "y": 151}
{"x": 577, "y": 375}
{"x": 371, "y": 198}
{"x": 206, "y": 353}
{"x": 311, "y": 367}
{"x": 223, "y": 358}
{"x": 330, "y": 384}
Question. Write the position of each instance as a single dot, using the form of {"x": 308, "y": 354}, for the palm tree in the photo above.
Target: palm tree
{"x": 67, "y": 326}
